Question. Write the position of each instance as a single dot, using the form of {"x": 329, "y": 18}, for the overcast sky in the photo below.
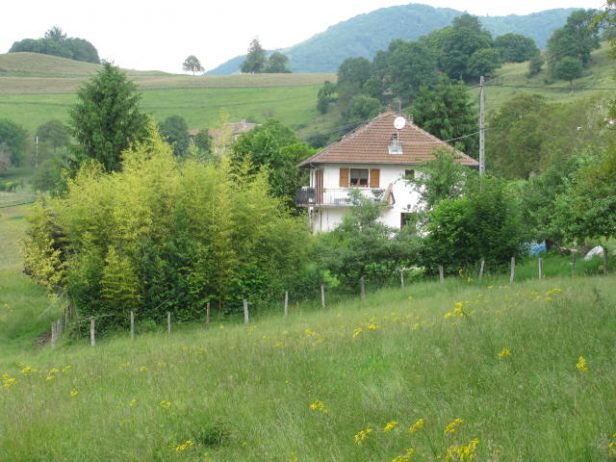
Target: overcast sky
{"x": 148, "y": 35}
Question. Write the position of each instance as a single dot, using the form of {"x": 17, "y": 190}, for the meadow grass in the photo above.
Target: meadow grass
{"x": 302, "y": 388}
{"x": 511, "y": 80}
{"x": 37, "y": 88}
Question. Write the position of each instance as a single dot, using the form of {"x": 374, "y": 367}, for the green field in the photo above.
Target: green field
{"x": 36, "y": 88}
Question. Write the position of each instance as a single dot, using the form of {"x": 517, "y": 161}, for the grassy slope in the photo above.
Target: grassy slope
{"x": 36, "y": 88}
{"x": 25, "y": 311}
{"x": 244, "y": 393}
{"x": 511, "y": 80}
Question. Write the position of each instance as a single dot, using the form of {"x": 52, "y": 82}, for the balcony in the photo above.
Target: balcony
{"x": 334, "y": 197}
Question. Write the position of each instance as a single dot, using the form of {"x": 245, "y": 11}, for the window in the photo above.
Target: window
{"x": 359, "y": 177}
{"x": 394, "y": 144}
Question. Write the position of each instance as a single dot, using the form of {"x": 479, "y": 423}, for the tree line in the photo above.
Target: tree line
{"x": 56, "y": 43}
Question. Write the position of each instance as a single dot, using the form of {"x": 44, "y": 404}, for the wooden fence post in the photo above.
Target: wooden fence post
{"x": 168, "y": 322}
{"x": 322, "y": 296}
{"x": 540, "y": 261}
{"x": 573, "y": 258}
{"x": 482, "y": 268}
{"x": 53, "y": 335}
{"x": 207, "y": 315}
{"x": 441, "y": 273}
{"x": 246, "y": 315}
{"x": 362, "y": 283}
{"x": 605, "y": 260}
{"x": 402, "y": 279}
{"x": 132, "y": 324}
{"x": 512, "y": 277}
{"x": 286, "y": 303}
{"x": 92, "y": 331}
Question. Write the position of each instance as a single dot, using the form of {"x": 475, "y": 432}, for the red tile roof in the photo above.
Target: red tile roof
{"x": 369, "y": 144}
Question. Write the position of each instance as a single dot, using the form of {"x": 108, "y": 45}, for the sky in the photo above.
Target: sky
{"x": 156, "y": 35}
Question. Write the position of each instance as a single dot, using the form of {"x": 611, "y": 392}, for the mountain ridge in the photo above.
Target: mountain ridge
{"x": 365, "y": 34}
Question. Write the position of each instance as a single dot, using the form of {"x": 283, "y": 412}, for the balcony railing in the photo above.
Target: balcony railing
{"x": 334, "y": 197}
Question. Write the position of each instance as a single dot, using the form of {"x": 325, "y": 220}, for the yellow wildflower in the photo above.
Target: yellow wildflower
{"x": 452, "y": 427}
{"x": 504, "y": 353}
{"x": 581, "y": 365}
{"x": 8, "y": 381}
{"x": 611, "y": 447}
{"x": 165, "y": 404}
{"x": 462, "y": 453}
{"x": 389, "y": 426}
{"x": 318, "y": 406}
{"x": 357, "y": 332}
{"x": 406, "y": 457}
{"x": 27, "y": 370}
{"x": 418, "y": 425}
{"x": 309, "y": 332}
{"x": 143, "y": 369}
{"x": 66, "y": 368}
{"x": 361, "y": 436}
{"x": 372, "y": 326}
{"x": 74, "y": 392}
{"x": 132, "y": 402}
{"x": 184, "y": 446}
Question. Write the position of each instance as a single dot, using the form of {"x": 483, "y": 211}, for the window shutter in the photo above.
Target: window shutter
{"x": 375, "y": 176}
{"x": 344, "y": 177}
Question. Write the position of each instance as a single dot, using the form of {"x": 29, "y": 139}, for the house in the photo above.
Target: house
{"x": 376, "y": 158}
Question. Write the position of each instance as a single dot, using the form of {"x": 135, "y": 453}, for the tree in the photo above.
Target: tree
{"x": 446, "y": 112}
{"x": 53, "y": 133}
{"x": 106, "y": 119}
{"x": 203, "y": 141}
{"x": 408, "y": 66}
{"x": 517, "y": 135}
{"x": 361, "y": 109}
{"x": 14, "y": 138}
{"x": 456, "y": 44}
{"x": 483, "y": 62}
{"x": 568, "y": 68}
{"x": 255, "y": 60}
{"x": 326, "y": 96}
{"x": 441, "y": 178}
{"x": 174, "y": 130}
{"x": 277, "y": 63}
{"x": 192, "y": 64}
{"x": 515, "y": 48}
{"x": 56, "y": 43}
{"x": 277, "y": 150}
{"x": 587, "y": 208}
{"x": 485, "y": 224}
{"x": 535, "y": 65}
{"x": 55, "y": 34}
{"x": 353, "y": 73}
{"x": 576, "y": 39}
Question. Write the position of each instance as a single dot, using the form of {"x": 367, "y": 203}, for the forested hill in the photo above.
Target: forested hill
{"x": 365, "y": 34}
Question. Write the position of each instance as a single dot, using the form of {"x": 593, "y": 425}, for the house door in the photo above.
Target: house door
{"x": 318, "y": 185}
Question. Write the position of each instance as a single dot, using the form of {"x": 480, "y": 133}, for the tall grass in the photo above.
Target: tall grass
{"x": 301, "y": 388}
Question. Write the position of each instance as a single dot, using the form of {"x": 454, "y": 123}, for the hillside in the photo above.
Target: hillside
{"x": 36, "y": 88}
{"x": 511, "y": 79}
{"x": 365, "y": 34}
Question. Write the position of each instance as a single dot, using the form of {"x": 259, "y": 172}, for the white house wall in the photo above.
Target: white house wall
{"x": 406, "y": 197}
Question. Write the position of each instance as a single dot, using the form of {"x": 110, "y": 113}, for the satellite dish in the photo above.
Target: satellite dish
{"x": 399, "y": 123}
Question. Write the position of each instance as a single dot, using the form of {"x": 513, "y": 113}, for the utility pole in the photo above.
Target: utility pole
{"x": 36, "y": 156}
{"x": 482, "y": 149}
